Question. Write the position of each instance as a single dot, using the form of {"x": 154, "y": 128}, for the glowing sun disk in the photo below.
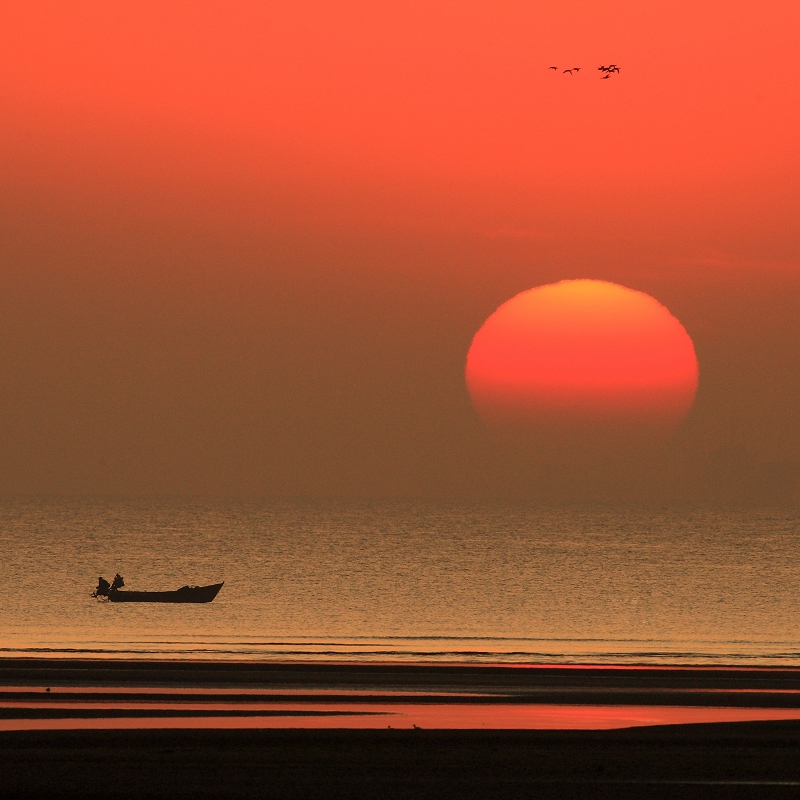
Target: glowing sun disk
{"x": 582, "y": 349}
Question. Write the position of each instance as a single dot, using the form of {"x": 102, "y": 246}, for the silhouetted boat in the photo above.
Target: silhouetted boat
{"x": 186, "y": 594}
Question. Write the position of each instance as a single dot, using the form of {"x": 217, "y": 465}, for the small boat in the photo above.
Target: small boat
{"x": 186, "y": 594}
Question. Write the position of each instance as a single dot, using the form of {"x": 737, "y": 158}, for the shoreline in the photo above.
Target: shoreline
{"x": 85, "y": 693}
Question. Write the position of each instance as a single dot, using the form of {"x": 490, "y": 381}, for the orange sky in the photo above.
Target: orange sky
{"x": 245, "y": 249}
{"x": 325, "y": 102}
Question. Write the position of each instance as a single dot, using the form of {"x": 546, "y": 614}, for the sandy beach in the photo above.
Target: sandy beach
{"x": 235, "y": 729}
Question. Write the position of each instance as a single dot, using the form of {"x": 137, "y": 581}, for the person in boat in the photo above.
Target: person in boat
{"x": 102, "y": 587}
{"x": 117, "y": 583}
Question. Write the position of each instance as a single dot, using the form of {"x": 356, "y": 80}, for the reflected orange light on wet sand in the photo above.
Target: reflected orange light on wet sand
{"x": 424, "y": 716}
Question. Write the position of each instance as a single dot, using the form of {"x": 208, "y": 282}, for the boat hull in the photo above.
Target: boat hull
{"x": 186, "y": 594}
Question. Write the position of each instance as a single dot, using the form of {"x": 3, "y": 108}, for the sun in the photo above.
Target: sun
{"x": 582, "y": 353}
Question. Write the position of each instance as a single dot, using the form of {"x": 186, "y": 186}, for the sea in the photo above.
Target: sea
{"x": 405, "y": 582}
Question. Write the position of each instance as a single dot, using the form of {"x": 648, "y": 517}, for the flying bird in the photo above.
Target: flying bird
{"x": 606, "y": 77}
{"x": 576, "y": 69}
{"x": 605, "y": 69}
{"x": 555, "y": 68}
{"x": 568, "y": 70}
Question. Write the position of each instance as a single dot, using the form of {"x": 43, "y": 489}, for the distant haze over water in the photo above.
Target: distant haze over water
{"x": 404, "y": 581}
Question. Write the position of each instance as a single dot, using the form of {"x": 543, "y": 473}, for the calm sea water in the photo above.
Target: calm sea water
{"x": 404, "y": 581}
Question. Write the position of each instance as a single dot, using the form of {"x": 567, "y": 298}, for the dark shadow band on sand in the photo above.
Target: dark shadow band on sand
{"x": 452, "y": 678}
{"x": 388, "y": 682}
{"x": 731, "y": 761}
{"x": 167, "y": 713}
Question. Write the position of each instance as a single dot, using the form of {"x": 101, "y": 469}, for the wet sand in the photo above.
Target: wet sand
{"x": 181, "y": 729}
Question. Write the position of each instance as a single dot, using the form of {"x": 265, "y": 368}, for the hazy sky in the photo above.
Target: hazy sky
{"x": 244, "y": 248}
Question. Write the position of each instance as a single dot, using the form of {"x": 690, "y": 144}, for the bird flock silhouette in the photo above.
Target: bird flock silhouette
{"x": 609, "y": 71}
